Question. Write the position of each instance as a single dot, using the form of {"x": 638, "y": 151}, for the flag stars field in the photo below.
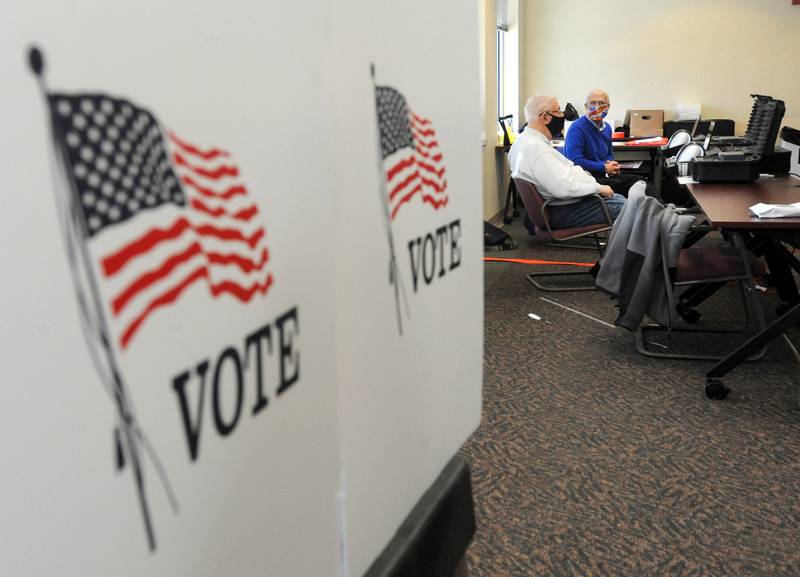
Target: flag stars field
{"x": 187, "y": 215}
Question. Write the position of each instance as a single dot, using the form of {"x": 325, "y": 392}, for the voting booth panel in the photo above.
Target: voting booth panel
{"x": 169, "y": 400}
{"x": 409, "y": 305}
{"x": 209, "y": 369}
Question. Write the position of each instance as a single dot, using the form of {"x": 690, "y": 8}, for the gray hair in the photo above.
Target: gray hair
{"x": 536, "y": 105}
{"x": 598, "y": 91}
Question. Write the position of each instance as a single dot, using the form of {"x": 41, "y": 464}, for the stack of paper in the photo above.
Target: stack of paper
{"x": 687, "y": 112}
{"x": 762, "y": 210}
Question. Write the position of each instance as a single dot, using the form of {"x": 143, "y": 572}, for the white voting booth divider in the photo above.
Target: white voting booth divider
{"x": 241, "y": 309}
{"x": 407, "y": 401}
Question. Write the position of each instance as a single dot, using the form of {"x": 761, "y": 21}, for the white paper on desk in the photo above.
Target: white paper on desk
{"x": 650, "y": 139}
{"x": 685, "y": 179}
{"x": 762, "y": 210}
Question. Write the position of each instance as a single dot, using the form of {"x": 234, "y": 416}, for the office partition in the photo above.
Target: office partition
{"x": 230, "y": 346}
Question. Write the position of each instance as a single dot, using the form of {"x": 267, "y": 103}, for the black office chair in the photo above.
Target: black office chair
{"x": 513, "y": 202}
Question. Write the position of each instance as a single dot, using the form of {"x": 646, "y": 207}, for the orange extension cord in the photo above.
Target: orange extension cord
{"x": 533, "y": 261}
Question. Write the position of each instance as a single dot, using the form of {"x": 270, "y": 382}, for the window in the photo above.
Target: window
{"x": 501, "y": 37}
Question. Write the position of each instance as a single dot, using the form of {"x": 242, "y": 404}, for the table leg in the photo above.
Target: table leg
{"x": 793, "y": 262}
{"x": 714, "y": 387}
{"x": 756, "y": 342}
{"x": 512, "y": 202}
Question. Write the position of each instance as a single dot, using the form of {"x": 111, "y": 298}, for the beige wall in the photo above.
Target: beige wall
{"x": 491, "y": 194}
{"x": 659, "y": 53}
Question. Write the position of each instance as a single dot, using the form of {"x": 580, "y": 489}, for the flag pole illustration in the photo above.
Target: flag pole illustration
{"x": 410, "y": 167}
{"x": 129, "y": 438}
{"x": 146, "y": 216}
{"x": 394, "y": 271}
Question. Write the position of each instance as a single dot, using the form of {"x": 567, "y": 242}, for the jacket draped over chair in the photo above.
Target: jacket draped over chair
{"x": 631, "y": 270}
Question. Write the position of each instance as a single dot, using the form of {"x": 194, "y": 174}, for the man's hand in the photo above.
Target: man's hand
{"x": 612, "y": 167}
{"x": 605, "y": 191}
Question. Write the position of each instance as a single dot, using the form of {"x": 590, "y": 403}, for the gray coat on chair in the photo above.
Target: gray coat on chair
{"x": 631, "y": 270}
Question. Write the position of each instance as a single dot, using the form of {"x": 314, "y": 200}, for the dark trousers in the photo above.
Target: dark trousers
{"x": 584, "y": 212}
{"x": 781, "y": 273}
{"x": 673, "y": 192}
{"x": 619, "y": 183}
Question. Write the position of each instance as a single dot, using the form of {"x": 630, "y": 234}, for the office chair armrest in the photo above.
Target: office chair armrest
{"x": 605, "y": 209}
{"x": 545, "y": 217}
{"x": 596, "y": 196}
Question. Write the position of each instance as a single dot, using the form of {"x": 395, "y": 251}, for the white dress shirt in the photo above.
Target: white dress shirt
{"x": 533, "y": 158}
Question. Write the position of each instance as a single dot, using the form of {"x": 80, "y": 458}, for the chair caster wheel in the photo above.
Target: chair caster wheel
{"x": 716, "y": 390}
{"x": 508, "y": 219}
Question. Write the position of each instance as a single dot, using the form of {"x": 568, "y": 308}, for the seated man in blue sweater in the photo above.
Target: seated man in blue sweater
{"x": 588, "y": 144}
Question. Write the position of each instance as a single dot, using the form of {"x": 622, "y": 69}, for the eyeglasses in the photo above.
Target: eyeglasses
{"x": 596, "y": 103}
{"x": 558, "y": 113}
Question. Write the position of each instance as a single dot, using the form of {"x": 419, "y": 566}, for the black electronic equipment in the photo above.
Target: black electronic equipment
{"x": 745, "y": 163}
{"x": 724, "y": 127}
{"x": 764, "y": 124}
{"x": 730, "y": 141}
{"x": 779, "y": 161}
{"x": 731, "y": 154}
{"x": 716, "y": 169}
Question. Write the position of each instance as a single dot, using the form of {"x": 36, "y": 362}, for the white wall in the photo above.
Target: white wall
{"x": 656, "y": 54}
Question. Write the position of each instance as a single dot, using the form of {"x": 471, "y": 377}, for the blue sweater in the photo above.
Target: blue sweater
{"x": 587, "y": 146}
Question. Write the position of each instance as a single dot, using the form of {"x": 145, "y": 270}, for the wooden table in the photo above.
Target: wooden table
{"x": 726, "y": 205}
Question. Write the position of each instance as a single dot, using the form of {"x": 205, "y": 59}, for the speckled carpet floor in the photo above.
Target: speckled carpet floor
{"x": 592, "y": 460}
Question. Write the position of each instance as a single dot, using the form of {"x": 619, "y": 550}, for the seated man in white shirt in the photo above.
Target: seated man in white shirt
{"x": 533, "y": 158}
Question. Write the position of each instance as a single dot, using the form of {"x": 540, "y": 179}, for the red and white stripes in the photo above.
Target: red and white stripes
{"x": 218, "y": 238}
{"x": 418, "y": 172}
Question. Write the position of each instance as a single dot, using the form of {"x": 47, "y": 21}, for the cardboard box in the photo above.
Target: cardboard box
{"x": 645, "y": 122}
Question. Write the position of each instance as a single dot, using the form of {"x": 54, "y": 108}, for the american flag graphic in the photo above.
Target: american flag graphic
{"x": 410, "y": 151}
{"x": 161, "y": 213}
